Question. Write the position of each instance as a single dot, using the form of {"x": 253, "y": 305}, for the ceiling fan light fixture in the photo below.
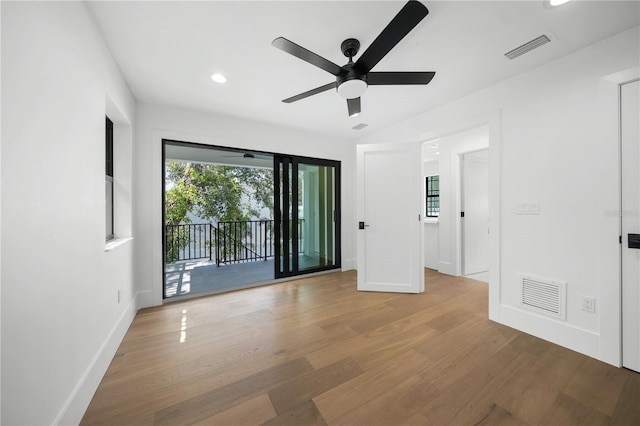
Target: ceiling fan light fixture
{"x": 352, "y": 89}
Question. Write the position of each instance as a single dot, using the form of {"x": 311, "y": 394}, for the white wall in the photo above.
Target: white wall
{"x": 548, "y": 145}
{"x": 156, "y": 122}
{"x": 61, "y": 320}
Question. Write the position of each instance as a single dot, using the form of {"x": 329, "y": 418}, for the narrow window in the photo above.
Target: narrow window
{"x": 433, "y": 196}
{"x": 109, "y": 179}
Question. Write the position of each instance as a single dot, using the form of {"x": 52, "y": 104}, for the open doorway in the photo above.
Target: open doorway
{"x": 237, "y": 218}
{"x": 444, "y": 228}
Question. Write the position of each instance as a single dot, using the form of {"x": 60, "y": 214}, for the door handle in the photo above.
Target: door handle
{"x": 361, "y": 225}
{"x": 633, "y": 240}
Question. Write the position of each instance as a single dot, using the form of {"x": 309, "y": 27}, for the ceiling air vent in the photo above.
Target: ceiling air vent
{"x": 527, "y": 47}
{"x": 359, "y": 126}
{"x": 544, "y": 296}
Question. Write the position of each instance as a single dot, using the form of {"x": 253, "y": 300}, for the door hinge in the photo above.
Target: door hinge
{"x": 461, "y": 214}
{"x": 418, "y": 217}
{"x": 620, "y": 240}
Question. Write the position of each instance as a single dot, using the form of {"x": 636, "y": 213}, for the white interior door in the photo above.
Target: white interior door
{"x": 389, "y": 207}
{"x": 475, "y": 205}
{"x": 630, "y": 141}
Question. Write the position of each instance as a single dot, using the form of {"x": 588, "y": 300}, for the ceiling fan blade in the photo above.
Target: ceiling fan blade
{"x": 409, "y": 16}
{"x": 394, "y": 78}
{"x": 354, "y": 106}
{"x": 310, "y": 93}
{"x": 306, "y": 55}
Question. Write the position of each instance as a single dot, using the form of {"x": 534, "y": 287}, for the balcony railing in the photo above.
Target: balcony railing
{"x": 245, "y": 241}
{"x": 228, "y": 242}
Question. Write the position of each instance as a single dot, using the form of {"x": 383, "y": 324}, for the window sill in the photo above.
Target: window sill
{"x": 431, "y": 220}
{"x": 117, "y": 242}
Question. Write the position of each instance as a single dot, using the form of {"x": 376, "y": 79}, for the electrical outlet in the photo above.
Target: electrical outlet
{"x": 589, "y": 304}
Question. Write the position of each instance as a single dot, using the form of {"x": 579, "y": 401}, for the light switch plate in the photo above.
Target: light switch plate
{"x": 528, "y": 208}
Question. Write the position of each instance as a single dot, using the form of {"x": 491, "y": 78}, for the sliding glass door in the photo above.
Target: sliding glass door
{"x": 307, "y": 219}
{"x": 236, "y": 218}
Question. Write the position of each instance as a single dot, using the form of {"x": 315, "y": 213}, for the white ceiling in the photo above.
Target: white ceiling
{"x": 168, "y": 50}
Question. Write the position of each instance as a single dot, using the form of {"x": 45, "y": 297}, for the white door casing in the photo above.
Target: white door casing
{"x": 630, "y": 223}
{"x": 389, "y": 202}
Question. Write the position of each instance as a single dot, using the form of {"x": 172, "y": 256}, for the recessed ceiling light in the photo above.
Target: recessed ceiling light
{"x": 558, "y": 2}
{"x": 219, "y": 78}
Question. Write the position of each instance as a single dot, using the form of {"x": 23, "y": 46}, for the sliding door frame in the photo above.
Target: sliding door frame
{"x": 294, "y": 160}
{"x": 285, "y": 171}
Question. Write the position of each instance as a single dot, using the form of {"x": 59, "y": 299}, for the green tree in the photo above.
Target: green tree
{"x": 217, "y": 193}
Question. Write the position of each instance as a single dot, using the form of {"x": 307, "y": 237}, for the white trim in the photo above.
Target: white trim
{"x": 77, "y": 403}
{"x": 610, "y": 342}
{"x": 552, "y": 330}
{"x": 117, "y": 242}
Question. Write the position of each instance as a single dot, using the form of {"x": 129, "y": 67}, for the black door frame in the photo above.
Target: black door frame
{"x": 285, "y": 170}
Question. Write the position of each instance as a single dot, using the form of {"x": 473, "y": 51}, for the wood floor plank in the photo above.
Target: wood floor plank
{"x": 591, "y": 379}
{"x": 418, "y": 419}
{"x": 255, "y": 411}
{"x": 549, "y": 377}
{"x": 467, "y": 401}
{"x": 459, "y": 363}
{"x": 498, "y": 416}
{"x": 395, "y": 405}
{"x": 343, "y": 398}
{"x": 317, "y": 351}
{"x": 368, "y": 350}
{"x": 303, "y": 414}
{"x": 627, "y": 411}
{"x": 210, "y": 403}
{"x": 568, "y": 411}
{"x": 305, "y": 386}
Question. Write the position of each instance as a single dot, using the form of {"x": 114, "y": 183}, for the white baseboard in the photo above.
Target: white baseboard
{"x": 552, "y": 330}
{"x": 79, "y": 400}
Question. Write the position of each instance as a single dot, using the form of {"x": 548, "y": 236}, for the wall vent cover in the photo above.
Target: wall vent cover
{"x": 544, "y": 296}
{"x": 527, "y": 47}
{"x": 359, "y": 126}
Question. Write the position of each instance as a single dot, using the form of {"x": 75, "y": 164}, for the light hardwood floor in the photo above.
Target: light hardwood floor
{"x": 316, "y": 351}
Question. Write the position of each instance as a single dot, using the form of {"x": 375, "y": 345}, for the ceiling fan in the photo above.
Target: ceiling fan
{"x": 353, "y": 79}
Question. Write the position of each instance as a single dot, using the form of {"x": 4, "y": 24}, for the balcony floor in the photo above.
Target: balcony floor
{"x": 202, "y": 276}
